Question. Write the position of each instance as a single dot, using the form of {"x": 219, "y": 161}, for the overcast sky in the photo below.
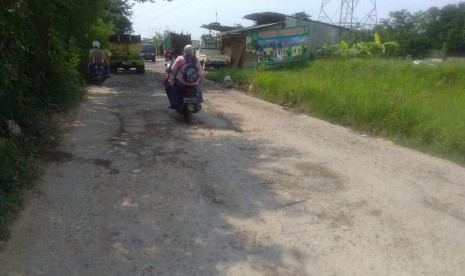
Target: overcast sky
{"x": 188, "y": 15}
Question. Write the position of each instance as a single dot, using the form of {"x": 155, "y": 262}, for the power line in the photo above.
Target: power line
{"x": 165, "y": 13}
{"x": 154, "y": 8}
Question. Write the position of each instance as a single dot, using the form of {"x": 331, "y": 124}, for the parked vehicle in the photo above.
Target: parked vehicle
{"x": 126, "y": 53}
{"x": 174, "y": 43}
{"x": 210, "y": 54}
{"x": 148, "y": 52}
{"x": 98, "y": 74}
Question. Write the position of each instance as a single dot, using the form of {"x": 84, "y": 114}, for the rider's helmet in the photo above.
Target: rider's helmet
{"x": 96, "y": 44}
{"x": 189, "y": 50}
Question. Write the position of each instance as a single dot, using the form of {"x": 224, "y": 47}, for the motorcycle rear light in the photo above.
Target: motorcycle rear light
{"x": 190, "y": 89}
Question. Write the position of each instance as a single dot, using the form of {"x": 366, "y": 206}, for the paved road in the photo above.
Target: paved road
{"x": 247, "y": 189}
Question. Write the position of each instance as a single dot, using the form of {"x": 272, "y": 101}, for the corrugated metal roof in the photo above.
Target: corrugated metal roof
{"x": 247, "y": 29}
{"x": 215, "y": 26}
{"x": 266, "y": 17}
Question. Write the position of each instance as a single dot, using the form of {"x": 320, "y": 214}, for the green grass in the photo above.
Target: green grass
{"x": 421, "y": 106}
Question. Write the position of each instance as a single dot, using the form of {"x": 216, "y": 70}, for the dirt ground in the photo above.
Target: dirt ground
{"x": 247, "y": 189}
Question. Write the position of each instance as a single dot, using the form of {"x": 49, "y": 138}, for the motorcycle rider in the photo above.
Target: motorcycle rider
{"x": 96, "y": 56}
{"x": 167, "y": 82}
{"x": 167, "y": 55}
{"x": 178, "y": 67}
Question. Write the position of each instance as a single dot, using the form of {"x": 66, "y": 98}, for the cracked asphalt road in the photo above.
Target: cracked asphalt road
{"x": 247, "y": 189}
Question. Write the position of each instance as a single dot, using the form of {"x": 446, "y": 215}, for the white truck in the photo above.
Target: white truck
{"x": 210, "y": 54}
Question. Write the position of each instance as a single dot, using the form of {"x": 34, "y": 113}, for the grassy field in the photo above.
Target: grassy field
{"x": 420, "y": 106}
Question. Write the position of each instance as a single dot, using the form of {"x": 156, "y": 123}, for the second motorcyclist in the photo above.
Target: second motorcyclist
{"x": 98, "y": 56}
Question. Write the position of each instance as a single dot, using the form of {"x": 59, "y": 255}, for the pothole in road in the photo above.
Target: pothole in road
{"x": 58, "y": 156}
{"x": 63, "y": 157}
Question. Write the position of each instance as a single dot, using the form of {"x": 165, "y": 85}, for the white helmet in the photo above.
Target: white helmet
{"x": 96, "y": 44}
{"x": 188, "y": 49}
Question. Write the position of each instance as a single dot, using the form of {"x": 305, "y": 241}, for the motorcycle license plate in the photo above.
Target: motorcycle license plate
{"x": 190, "y": 100}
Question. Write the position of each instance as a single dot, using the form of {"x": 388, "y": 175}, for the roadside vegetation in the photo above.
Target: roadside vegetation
{"x": 418, "y": 105}
{"x": 43, "y": 51}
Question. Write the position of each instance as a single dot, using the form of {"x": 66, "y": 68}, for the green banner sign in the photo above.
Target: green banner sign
{"x": 280, "y": 33}
{"x": 280, "y": 45}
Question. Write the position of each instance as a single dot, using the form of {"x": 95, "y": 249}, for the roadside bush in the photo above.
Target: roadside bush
{"x": 38, "y": 76}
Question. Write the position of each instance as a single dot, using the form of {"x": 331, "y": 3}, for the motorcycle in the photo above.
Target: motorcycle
{"x": 98, "y": 74}
{"x": 189, "y": 99}
{"x": 189, "y": 103}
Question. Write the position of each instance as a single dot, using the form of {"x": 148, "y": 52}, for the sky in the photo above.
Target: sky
{"x": 188, "y": 15}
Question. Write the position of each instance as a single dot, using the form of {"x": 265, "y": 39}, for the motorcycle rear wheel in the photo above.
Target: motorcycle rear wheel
{"x": 187, "y": 114}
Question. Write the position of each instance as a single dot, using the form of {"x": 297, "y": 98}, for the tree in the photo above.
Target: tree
{"x": 451, "y": 27}
{"x": 118, "y": 14}
{"x": 404, "y": 28}
{"x": 205, "y": 37}
{"x": 426, "y": 30}
{"x": 386, "y": 48}
{"x": 301, "y": 15}
{"x": 157, "y": 41}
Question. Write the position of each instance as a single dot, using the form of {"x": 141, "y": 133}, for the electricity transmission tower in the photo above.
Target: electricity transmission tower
{"x": 351, "y": 14}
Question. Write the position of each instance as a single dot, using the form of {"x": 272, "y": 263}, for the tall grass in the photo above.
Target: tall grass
{"x": 421, "y": 106}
